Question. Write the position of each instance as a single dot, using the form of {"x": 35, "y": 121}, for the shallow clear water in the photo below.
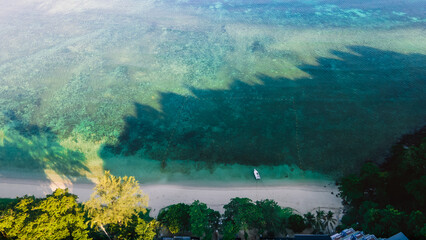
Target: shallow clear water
{"x": 184, "y": 90}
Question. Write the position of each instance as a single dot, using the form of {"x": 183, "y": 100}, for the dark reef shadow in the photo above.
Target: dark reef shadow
{"x": 349, "y": 110}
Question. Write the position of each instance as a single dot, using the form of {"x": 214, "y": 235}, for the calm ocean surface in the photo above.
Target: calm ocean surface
{"x": 187, "y": 90}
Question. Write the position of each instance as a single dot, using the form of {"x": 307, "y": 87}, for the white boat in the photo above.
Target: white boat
{"x": 256, "y": 174}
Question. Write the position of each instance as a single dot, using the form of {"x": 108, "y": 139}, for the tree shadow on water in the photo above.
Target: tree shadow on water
{"x": 33, "y": 149}
{"x": 351, "y": 109}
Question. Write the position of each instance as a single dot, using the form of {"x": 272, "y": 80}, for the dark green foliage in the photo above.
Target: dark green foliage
{"x": 214, "y": 219}
{"x": 417, "y": 224}
{"x": 384, "y": 222}
{"x": 391, "y": 198}
{"x": 136, "y": 229}
{"x": 145, "y": 215}
{"x": 321, "y": 222}
{"x": 329, "y": 221}
{"x": 296, "y": 223}
{"x": 309, "y": 219}
{"x": 417, "y": 188}
{"x": 273, "y": 218}
{"x": 407, "y": 172}
{"x": 266, "y": 216}
{"x": 7, "y": 203}
{"x": 243, "y": 213}
{"x": 230, "y": 230}
{"x": 407, "y": 178}
{"x": 368, "y": 185}
{"x": 176, "y": 218}
{"x": 199, "y": 218}
{"x": 203, "y": 220}
{"x": 58, "y": 216}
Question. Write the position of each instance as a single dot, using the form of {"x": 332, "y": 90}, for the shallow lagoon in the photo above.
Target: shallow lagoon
{"x": 189, "y": 90}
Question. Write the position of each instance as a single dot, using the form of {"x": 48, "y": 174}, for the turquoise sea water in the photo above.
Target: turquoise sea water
{"x": 189, "y": 90}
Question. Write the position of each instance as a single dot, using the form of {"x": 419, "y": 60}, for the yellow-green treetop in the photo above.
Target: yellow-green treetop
{"x": 115, "y": 200}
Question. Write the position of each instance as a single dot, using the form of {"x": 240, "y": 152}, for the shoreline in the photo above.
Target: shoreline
{"x": 303, "y": 196}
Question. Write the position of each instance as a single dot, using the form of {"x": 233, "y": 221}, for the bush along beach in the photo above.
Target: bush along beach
{"x": 118, "y": 209}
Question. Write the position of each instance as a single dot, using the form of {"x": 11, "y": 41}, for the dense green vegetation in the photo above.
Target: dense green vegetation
{"x": 196, "y": 218}
{"x": 117, "y": 209}
{"x": 263, "y": 217}
{"x": 390, "y": 198}
{"x": 5, "y": 202}
{"x": 56, "y": 215}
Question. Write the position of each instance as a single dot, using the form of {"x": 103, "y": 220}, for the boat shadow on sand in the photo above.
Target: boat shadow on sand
{"x": 352, "y": 108}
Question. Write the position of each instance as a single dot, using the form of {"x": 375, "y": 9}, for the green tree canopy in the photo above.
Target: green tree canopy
{"x": 243, "y": 213}
{"x": 329, "y": 221}
{"x": 296, "y": 223}
{"x": 230, "y": 229}
{"x": 176, "y": 218}
{"x": 379, "y": 198}
{"x": 199, "y": 218}
{"x": 6, "y": 203}
{"x": 370, "y": 185}
{"x": 203, "y": 220}
{"x": 137, "y": 228}
{"x": 273, "y": 217}
{"x": 417, "y": 224}
{"x": 309, "y": 219}
{"x": 114, "y": 201}
{"x": 384, "y": 222}
{"x": 319, "y": 220}
{"x": 58, "y": 216}
{"x": 406, "y": 174}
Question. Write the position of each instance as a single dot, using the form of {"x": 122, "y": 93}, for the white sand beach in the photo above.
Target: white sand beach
{"x": 303, "y": 197}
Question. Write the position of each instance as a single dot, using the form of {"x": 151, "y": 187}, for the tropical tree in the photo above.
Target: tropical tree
{"x": 243, "y": 213}
{"x": 5, "y": 203}
{"x": 384, "y": 222}
{"x": 14, "y": 220}
{"x": 319, "y": 220}
{"x": 58, "y": 216}
{"x": 369, "y": 185}
{"x": 417, "y": 224}
{"x": 329, "y": 221}
{"x": 176, "y": 218}
{"x": 137, "y": 228}
{"x": 285, "y": 214}
{"x": 390, "y": 197}
{"x": 146, "y": 230}
{"x": 296, "y": 223}
{"x": 230, "y": 229}
{"x": 114, "y": 201}
{"x": 203, "y": 220}
{"x": 309, "y": 219}
{"x": 199, "y": 218}
{"x": 273, "y": 217}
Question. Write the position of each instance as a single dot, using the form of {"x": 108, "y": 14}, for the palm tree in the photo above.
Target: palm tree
{"x": 329, "y": 221}
{"x": 319, "y": 220}
{"x": 309, "y": 219}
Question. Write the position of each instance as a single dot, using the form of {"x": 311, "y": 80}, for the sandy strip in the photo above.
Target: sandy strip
{"x": 303, "y": 198}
